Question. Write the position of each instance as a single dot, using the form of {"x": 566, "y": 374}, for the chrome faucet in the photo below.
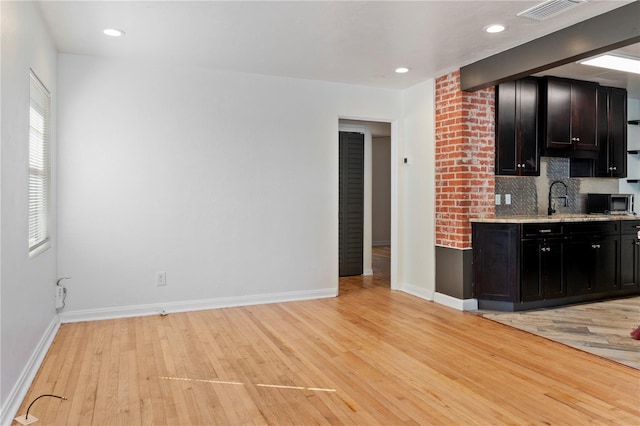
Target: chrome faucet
{"x": 551, "y": 210}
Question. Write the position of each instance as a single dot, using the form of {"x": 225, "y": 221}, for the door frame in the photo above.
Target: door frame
{"x": 363, "y": 128}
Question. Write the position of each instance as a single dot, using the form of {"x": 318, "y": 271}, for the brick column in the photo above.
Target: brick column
{"x": 465, "y": 181}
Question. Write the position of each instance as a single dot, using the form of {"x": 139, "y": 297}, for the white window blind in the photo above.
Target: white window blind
{"x": 39, "y": 173}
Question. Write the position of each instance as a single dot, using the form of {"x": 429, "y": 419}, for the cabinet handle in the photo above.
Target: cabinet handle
{"x": 544, "y": 231}
{"x": 613, "y": 168}
{"x": 544, "y": 249}
{"x": 595, "y": 246}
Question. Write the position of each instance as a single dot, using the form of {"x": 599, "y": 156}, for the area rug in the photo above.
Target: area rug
{"x": 601, "y": 328}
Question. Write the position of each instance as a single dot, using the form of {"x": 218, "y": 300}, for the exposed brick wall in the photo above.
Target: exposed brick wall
{"x": 465, "y": 159}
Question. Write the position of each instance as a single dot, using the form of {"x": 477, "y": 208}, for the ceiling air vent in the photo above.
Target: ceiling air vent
{"x": 549, "y": 8}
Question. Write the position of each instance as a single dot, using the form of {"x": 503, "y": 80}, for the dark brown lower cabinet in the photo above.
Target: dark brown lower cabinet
{"x": 630, "y": 255}
{"x": 592, "y": 265}
{"x": 527, "y": 266}
{"x": 541, "y": 273}
{"x": 495, "y": 262}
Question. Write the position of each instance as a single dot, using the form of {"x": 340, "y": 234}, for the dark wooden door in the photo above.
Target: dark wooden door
{"x": 605, "y": 264}
{"x": 531, "y": 271}
{"x": 629, "y": 261}
{"x": 541, "y": 273}
{"x": 558, "y": 114}
{"x": 617, "y": 141}
{"x": 506, "y": 144}
{"x": 529, "y": 144}
{"x": 578, "y": 268}
{"x": 517, "y": 136}
{"x": 602, "y": 163}
{"x": 351, "y": 203}
{"x": 583, "y": 115}
{"x": 496, "y": 261}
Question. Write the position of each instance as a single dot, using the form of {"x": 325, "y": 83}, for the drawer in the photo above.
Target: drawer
{"x": 592, "y": 228}
{"x": 534, "y": 230}
{"x": 629, "y": 226}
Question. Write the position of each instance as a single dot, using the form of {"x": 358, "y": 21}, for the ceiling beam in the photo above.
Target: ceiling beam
{"x": 617, "y": 28}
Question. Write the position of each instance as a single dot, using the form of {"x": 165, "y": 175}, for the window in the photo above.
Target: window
{"x": 39, "y": 174}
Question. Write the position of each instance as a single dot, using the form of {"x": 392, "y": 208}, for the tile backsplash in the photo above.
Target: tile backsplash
{"x": 529, "y": 194}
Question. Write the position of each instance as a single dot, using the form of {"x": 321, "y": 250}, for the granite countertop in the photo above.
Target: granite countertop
{"x": 555, "y": 218}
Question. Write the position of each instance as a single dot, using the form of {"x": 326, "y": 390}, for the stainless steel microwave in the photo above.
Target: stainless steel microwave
{"x": 610, "y": 203}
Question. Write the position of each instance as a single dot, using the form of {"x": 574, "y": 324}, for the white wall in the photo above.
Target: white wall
{"x": 226, "y": 181}
{"x": 381, "y": 194}
{"x": 417, "y": 181}
{"x": 28, "y": 317}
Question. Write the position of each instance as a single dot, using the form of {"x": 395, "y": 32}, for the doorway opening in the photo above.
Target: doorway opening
{"x": 366, "y": 179}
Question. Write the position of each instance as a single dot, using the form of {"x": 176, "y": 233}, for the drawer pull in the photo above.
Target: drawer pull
{"x": 546, "y": 231}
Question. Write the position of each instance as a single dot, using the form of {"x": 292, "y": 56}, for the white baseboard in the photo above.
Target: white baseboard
{"x": 193, "y": 305}
{"x": 452, "y": 302}
{"x": 367, "y": 272}
{"x": 416, "y": 291}
{"x": 20, "y": 389}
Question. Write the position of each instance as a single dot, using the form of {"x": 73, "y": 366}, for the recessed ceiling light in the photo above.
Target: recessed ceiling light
{"x": 402, "y": 70}
{"x": 495, "y": 28}
{"x": 614, "y": 62}
{"x": 113, "y": 32}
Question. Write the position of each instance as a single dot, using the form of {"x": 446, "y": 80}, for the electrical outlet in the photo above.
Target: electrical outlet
{"x": 507, "y": 199}
{"x": 161, "y": 278}
{"x": 59, "y": 295}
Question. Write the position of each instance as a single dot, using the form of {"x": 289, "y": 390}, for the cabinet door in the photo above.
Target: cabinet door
{"x": 629, "y": 261}
{"x": 617, "y": 135}
{"x": 496, "y": 261}
{"x": 517, "y": 129}
{"x": 577, "y": 271}
{"x": 552, "y": 260}
{"x": 602, "y": 132}
{"x": 605, "y": 263}
{"x": 531, "y": 271}
{"x": 583, "y": 115}
{"x": 611, "y": 132}
{"x": 506, "y": 155}
{"x": 558, "y": 114}
{"x": 528, "y": 143}
{"x": 541, "y": 273}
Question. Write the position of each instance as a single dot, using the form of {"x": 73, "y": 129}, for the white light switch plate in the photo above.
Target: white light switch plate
{"x": 498, "y": 199}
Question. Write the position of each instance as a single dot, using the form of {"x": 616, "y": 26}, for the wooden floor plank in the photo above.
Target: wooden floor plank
{"x": 369, "y": 356}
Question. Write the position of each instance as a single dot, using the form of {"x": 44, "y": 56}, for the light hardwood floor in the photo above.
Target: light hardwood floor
{"x": 370, "y": 356}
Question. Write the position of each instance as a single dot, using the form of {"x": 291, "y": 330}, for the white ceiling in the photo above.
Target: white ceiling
{"x": 353, "y": 42}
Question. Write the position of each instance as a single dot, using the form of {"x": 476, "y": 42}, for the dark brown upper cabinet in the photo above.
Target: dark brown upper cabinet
{"x": 612, "y": 133}
{"x": 569, "y": 116}
{"x": 517, "y": 128}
